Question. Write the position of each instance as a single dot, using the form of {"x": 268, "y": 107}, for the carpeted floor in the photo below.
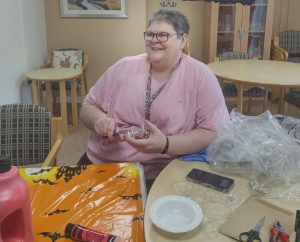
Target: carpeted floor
{"x": 74, "y": 144}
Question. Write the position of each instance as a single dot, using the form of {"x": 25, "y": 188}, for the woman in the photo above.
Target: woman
{"x": 175, "y": 96}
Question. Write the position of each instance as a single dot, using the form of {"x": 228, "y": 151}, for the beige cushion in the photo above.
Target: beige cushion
{"x": 67, "y": 58}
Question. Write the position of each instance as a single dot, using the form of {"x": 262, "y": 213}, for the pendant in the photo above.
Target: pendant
{"x": 147, "y": 116}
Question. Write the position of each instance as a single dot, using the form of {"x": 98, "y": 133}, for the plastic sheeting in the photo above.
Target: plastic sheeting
{"x": 260, "y": 148}
{"x": 106, "y": 198}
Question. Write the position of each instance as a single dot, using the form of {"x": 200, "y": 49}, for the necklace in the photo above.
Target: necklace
{"x": 151, "y": 97}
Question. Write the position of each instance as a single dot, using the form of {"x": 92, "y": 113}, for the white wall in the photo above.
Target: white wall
{"x": 286, "y": 16}
{"x": 23, "y": 47}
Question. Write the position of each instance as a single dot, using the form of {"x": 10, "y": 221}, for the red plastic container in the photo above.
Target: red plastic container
{"x": 15, "y": 209}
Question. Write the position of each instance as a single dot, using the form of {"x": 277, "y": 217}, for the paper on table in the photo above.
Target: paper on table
{"x": 245, "y": 217}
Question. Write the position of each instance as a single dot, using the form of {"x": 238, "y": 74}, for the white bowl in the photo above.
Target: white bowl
{"x": 176, "y": 214}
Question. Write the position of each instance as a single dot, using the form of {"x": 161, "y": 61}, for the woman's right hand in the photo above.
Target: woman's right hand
{"x": 105, "y": 127}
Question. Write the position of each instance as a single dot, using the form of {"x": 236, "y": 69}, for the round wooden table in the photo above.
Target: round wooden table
{"x": 267, "y": 73}
{"x": 61, "y": 75}
{"x": 173, "y": 176}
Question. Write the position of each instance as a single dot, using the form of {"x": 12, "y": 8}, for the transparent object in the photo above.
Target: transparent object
{"x": 226, "y": 18}
{"x": 141, "y": 132}
{"x": 226, "y": 21}
{"x": 259, "y": 148}
{"x": 257, "y": 23}
{"x": 225, "y": 43}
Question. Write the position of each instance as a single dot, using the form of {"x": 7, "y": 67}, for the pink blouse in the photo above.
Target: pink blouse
{"x": 191, "y": 99}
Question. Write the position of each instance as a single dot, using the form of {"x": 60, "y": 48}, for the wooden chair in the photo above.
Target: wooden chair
{"x": 29, "y": 135}
{"x": 286, "y": 46}
{"x": 71, "y": 58}
{"x": 293, "y": 98}
{"x": 290, "y": 124}
{"x": 229, "y": 89}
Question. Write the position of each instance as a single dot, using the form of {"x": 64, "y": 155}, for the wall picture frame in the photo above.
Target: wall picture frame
{"x": 94, "y": 8}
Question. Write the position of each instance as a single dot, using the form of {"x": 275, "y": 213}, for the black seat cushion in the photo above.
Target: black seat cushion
{"x": 25, "y": 133}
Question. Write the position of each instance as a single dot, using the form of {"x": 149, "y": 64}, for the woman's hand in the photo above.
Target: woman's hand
{"x": 154, "y": 144}
{"x": 105, "y": 127}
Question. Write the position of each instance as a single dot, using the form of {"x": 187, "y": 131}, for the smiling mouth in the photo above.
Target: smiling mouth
{"x": 156, "y": 48}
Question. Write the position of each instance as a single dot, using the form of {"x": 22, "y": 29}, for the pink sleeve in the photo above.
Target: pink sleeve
{"x": 211, "y": 107}
{"x": 101, "y": 93}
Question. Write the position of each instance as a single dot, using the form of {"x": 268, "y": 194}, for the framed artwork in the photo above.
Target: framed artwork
{"x": 94, "y": 8}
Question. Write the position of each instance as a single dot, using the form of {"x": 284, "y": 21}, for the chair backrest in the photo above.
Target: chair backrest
{"x": 69, "y": 57}
{"x": 25, "y": 133}
{"x": 234, "y": 55}
{"x": 293, "y": 97}
{"x": 290, "y": 41}
{"x": 290, "y": 124}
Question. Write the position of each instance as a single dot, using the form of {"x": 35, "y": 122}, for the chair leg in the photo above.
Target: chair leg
{"x": 285, "y": 108}
{"x": 85, "y": 83}
{"x": 82, "y": 87}
{"x": 49, "y": 97}
{"x": 249, "y": 105}
{"x": 266, "y": 100}
{"x": 55, "y": 103}
{"x": 74, "y": 102}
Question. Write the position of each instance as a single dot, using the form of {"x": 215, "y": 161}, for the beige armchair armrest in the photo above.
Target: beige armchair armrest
{"x": 51, "y": 158}
{"x": 56, "y": 140}
{"x": 277, "y": 53}
{"x": 45, "y": 66}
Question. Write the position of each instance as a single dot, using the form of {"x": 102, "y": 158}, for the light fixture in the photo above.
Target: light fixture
{"x": 168, "y": 3}
{"x": 244, "y": 2}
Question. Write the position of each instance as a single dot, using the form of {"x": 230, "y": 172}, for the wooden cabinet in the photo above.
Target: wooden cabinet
{"x": 237, "y": 27}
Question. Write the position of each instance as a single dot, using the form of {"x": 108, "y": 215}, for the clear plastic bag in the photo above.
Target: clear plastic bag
{"x": 136, "y": 132}
{"x": 259, "y": 148}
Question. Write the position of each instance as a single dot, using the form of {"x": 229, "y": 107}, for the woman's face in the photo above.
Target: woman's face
{"x": 164, "y": 53}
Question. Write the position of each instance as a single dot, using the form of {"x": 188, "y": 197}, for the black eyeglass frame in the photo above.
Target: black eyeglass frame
{"x": 158, "y": 38}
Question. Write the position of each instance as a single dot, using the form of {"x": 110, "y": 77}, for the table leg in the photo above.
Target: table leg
{"x": 74, "y": 102}
{"x": 281, "y": 102}
{"x": 63, "y": 106}
{"x": 35, "y": 96}
{"x": 82, "y": 87}
{"x": 49, "y": 97}
{"x": 240, "y": 89}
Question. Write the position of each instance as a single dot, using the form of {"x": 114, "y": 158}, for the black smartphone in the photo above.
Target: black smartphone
{"x": 210, "y": 180}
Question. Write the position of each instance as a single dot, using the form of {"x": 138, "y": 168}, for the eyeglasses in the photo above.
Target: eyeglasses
{"x": 161, "y": 37}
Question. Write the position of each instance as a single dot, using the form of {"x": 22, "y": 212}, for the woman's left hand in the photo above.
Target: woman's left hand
{"x": 154, "y": 144}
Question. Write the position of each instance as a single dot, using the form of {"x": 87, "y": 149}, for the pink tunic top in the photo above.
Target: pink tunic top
{"x": 191, "y": 99}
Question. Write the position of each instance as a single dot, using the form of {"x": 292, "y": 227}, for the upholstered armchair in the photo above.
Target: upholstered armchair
{"x": 29, "y": 134}
{"x": 286, "y": 46}
{"x": 293, "y": 98}
{"x": 229, "y": 89}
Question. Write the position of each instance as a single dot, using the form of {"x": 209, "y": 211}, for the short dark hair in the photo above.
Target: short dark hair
{"x": 179, "y": 21}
